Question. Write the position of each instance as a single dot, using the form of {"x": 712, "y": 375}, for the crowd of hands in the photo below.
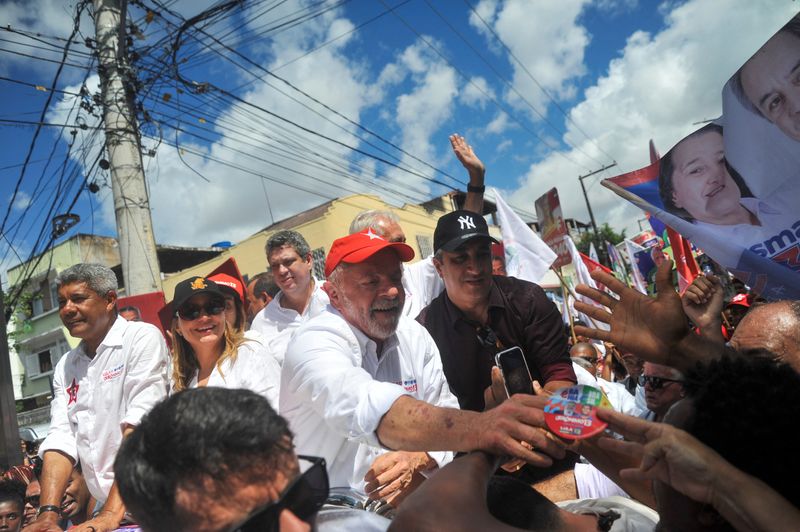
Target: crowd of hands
{"x": 658, "y": 330}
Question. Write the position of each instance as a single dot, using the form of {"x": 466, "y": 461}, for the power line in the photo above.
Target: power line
{"x": 530, "y": 75}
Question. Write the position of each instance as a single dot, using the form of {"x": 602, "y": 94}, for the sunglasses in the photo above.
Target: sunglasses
{"x": 191, "y": 312}
{"x": 304, "y": 496}
{"x": 33, "y": 500}
{"x": 655, "y": 382}
{"x": 487, "y": 337}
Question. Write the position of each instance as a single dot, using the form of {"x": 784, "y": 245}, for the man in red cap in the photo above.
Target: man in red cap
{"x": 362, "y": 378}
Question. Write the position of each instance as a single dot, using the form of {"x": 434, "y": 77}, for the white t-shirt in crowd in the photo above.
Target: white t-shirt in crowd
{"x": 254, "y": 369}
{"x": 335, "y": 390}
{"x": 95, "y": 398}
{"x": 422, "y": 284}
{"x": 276, "y": 324}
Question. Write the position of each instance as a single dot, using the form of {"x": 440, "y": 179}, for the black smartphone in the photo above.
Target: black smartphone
{"x": 516, "y": 375}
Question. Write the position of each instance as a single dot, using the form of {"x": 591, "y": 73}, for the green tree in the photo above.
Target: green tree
{"x": 604, "y": 233}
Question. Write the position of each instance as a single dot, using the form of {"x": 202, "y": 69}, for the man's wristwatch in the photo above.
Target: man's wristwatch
{"x": 48, "y": 508}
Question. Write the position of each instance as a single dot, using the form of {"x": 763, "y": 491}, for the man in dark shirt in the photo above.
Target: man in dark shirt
{"x": 479, "y": 315}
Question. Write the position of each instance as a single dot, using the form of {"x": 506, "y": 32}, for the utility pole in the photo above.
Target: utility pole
{"x": 10, "y": 453}
{"x": 137, "y": 246}
{"x": 601, "y": 251}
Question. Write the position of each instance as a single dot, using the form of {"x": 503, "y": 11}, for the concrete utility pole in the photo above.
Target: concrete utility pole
{"x": 601, "y": 251}
{"x": 10, "y": 453}
{"x": 137, "y": 246}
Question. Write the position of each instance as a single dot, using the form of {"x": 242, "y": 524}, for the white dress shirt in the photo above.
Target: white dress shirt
{"x": 422, "y": 284}
{"x": 254, "y": 369}
{"x": 335, "y": 390}
{"x": 276, "y": 324}
{"x": 95, "y": 398}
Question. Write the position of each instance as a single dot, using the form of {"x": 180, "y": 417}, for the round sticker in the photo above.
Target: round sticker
{"x": 571, "y": 412}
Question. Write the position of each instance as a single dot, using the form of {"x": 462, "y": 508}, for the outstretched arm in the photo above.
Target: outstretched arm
{"x": 475, "y": 169}
{"x": 655, "y": 329}
{"x": 413, "y": 425}
{"x": 676, "y": 458}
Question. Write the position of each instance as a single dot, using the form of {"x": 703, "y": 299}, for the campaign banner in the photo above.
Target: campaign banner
{"x": 143, "y": 307}
{"x": 552, "y": 226}
{"x": 732, "y": 187}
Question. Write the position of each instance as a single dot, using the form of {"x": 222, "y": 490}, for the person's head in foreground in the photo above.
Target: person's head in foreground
{"x": 767, "y": 83}
{"x": 87, "y": 302}
{"x": 365, "y": 282}
{"x": 199, "y": 324}
{"x": 12, "y": 505}
{"x": 742, "y": 407}
{"x": 215, "y": 459}
{"x": 464, "y": 257}
{"x": 774, "y": 327}
{"x": 696, "y": 182}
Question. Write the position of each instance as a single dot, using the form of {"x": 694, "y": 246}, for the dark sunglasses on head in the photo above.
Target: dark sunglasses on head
{"x": 190, "y": 311}
{"x": 304, "y": 496}
{"x": 486, "y": 336}
{"x": 655, "y": 382}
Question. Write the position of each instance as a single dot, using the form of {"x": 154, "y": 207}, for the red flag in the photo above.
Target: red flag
{"x": 685, "y": 264}
{"x": 593, "y": 265}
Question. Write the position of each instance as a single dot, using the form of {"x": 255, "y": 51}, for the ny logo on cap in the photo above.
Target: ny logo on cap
{"x": 466, "y": 222}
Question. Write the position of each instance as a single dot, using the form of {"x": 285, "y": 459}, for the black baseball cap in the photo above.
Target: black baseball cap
{"x": 193, "y": 286}
{"x": 458, "y": 227}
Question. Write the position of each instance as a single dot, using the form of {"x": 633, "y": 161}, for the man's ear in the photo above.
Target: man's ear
{"x": 438, "y": 265}
{"x": 111, "y": 300}
{"x": 333, "y": 294}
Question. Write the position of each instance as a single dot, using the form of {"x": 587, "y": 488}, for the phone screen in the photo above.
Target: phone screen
{"x": 515, "y": 371}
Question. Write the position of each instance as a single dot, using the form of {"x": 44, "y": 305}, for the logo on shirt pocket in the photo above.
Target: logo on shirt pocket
{"x": 113, "y": 373}
{"x": 410, "y": 385}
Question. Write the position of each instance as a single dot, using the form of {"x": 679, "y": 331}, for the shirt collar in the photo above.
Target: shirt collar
{"x": 113, "y": 337}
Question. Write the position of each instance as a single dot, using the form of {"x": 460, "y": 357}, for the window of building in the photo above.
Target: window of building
{"x": 53, "y": 295}
{"x": 37, "y": 305}
{"x": 44, "y": 359}
{"x": 318, "y": 259}
{"x": 425, "y": 246}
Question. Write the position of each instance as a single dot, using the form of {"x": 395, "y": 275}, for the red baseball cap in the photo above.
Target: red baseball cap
{"x": 358, "y": 247}
{"x": 740, "y": 299}
{"x": 225, "y": 280}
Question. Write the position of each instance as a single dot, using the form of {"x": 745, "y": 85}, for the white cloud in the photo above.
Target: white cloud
{"x": 498, "y": 124}
{"x": 477, "y": 92}
{"x": 549, "y": 42}
{"x": 657, "y": 88}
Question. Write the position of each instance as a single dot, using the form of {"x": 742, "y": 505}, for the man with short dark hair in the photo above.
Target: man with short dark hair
{"x": 260, "y": 291}
{"x": 300, "y": 297}
{"x": 362, "y": 378}
{"x": 479, "y": 315}
{"x": 587, "y": 353}
{"x": 102, "y": 388}
{"x": 206, "y": 459}
{"x": 12, "y": 505}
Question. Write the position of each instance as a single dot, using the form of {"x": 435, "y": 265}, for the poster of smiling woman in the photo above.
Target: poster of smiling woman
{"x": 732, "y": 187}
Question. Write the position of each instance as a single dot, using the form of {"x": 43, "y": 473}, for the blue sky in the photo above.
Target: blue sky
{"x": 615, "y": 73}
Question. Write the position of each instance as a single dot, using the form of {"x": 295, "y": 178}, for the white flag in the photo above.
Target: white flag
{"x": 639, "y": 282}
{"x": 593, "y": 253}
{"x": 583, "y": 277}
{"x": 527, "y": 256}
